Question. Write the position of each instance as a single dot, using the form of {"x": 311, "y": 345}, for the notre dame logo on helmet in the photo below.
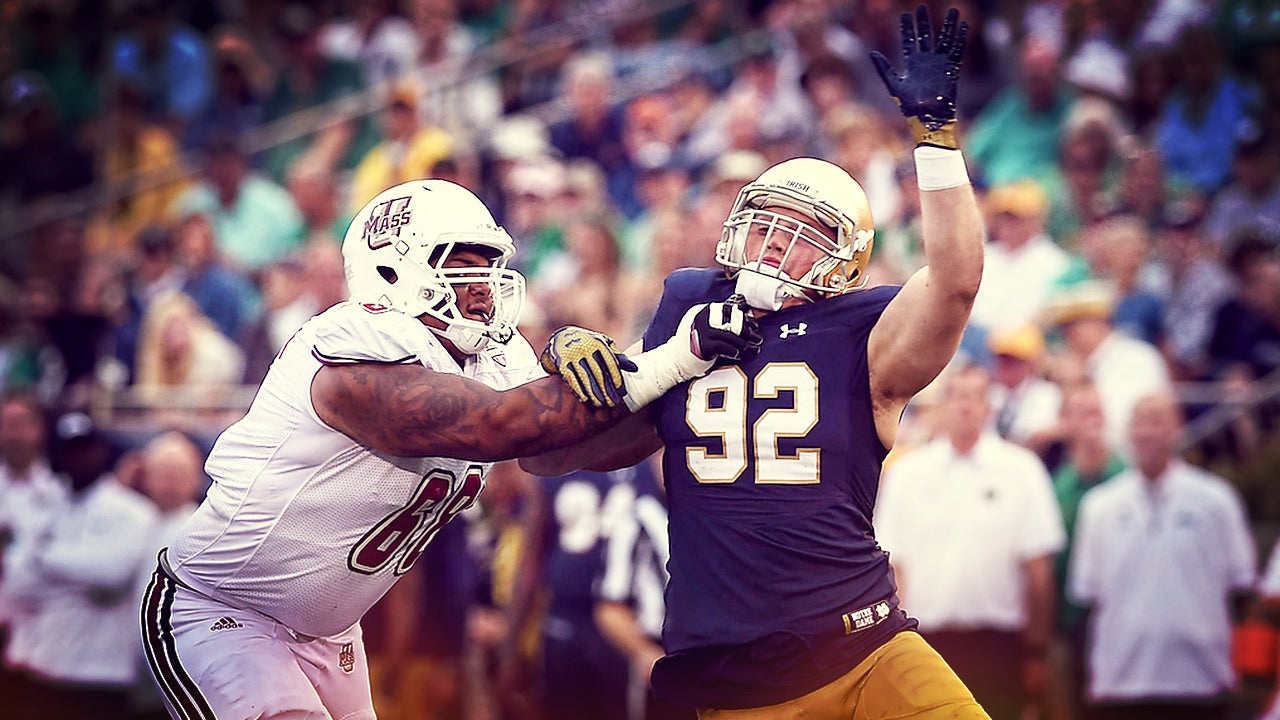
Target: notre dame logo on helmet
{"x": 385, "y": 222}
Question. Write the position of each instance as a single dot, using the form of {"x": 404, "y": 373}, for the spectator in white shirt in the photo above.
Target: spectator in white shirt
{"x": 170, "y": 473}
{"x": 1022, "y": 261}
{"x": 30, "y": 497}
{"x": 1161, "y": 553}
{"x": 1025, "y": 405}
{"x": 79, "y": 579}
{"x": 1123, "y": 368}
{"x": 972, "y": 527}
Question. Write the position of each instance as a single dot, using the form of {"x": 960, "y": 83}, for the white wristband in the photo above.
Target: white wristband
{"x": 940, "y": 168}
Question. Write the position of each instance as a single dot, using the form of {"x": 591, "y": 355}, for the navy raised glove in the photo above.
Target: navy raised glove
{"x": 725, "y": 331}
{"x": 926, "y": 92}
{"x": 590, "y": 363}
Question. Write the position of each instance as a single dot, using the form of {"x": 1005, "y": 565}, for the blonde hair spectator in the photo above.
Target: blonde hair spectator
{"x": 181, "y": 355}
{"x": 862, "y": 147}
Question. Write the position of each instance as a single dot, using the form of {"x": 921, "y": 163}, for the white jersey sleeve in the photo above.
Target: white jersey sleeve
{"x": 366, "y": 333}
{"x": 304, "y": 524}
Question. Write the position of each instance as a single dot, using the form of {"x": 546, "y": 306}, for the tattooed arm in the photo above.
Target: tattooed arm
{"x": 410, "y": 411}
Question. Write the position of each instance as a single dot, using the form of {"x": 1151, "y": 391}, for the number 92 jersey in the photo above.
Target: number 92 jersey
{"x": 302, "y": 523}
{"x": 772, "y": 469}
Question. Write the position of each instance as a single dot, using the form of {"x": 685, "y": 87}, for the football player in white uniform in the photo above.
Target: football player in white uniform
{"x": 376, "y": 425}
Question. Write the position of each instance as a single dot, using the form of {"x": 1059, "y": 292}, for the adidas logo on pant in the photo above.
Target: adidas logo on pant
{"x": 224, "y": 623}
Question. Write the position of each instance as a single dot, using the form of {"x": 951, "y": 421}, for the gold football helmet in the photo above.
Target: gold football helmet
{"x": 822, "y": 191}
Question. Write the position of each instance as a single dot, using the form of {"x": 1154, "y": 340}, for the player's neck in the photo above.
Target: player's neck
{"x": 449, "y": 346}
{"x": 457, "y": 355}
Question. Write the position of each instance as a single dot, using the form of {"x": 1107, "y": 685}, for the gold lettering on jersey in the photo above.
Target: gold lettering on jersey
{"x": 385, "y": 222}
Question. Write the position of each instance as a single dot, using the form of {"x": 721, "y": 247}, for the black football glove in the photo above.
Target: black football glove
{"x": 590, "y": 363}
{"x": 725, "y": 331}
{"x": 926, "y": 93}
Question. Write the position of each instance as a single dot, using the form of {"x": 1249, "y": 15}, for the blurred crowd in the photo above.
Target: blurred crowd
{"x": 176, "y": 179}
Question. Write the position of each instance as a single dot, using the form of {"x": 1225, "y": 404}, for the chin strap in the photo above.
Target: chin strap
{"x": 470, "y": 341}
{"x": 467, "y": 341}
{"x": 765, "y": 291}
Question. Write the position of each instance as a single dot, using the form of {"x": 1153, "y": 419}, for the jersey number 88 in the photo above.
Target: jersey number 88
{"x": 412, "y": 527}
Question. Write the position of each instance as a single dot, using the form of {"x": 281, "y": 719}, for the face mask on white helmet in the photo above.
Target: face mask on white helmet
{"x": 837, "y": 206}
{"x": 396, "y": 249}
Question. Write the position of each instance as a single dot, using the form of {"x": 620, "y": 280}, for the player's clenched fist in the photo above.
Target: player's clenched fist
{"x": 590, "y": 363}
{"x": 723, "y": 331}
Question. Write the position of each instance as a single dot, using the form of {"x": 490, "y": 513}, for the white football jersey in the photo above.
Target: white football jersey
{"x": 302, "y": 523}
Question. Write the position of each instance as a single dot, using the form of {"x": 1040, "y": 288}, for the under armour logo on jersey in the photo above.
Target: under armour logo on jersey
{"x": 225, "y": 623}
{"x": 787, "y": 331}
{"x": 347, "y": 657}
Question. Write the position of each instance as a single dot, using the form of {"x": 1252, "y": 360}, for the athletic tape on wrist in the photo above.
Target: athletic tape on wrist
{"x": 661, "y": 369}
{"x": 939, "y": 168}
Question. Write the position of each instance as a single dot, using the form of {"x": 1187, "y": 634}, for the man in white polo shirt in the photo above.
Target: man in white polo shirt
{"x": 1161, "y": 552}
{"x": 972, "y": 526}
{"x": 1022, "y": 261}
{"x": 1122, "y": 367}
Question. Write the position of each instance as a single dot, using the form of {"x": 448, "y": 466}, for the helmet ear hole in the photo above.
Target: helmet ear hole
{"x": 388, "y": 274}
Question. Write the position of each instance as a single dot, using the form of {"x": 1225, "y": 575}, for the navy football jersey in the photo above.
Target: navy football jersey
{"x": 582, "y": 507}
{"x": 772, "y": 469}
{"x": 583, "y": 676}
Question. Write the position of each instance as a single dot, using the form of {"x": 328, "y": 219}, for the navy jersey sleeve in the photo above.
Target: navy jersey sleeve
{"x": 680, "y": 291}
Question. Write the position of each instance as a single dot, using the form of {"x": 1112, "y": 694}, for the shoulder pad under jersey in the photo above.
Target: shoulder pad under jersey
{"x": 696, "y": 284}
{"x": 515, "y": 353}
{"x": 366, "y": 333}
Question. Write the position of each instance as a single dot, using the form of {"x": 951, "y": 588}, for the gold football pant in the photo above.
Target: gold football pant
{"x": 904, "y": 679}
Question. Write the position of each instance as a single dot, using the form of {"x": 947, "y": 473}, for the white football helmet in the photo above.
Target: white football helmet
{"x": 396, "y": 246}
{"x": 822, "y": 191}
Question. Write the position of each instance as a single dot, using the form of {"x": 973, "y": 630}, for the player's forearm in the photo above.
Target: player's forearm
{"x": 539, "y": 416}
{"x": 926, "y": 93}
{"x": 408, "y": 411}
{"x": 617, "y": 623}
{"x": 479, "y": 424}
{"x": 623, "y": 445}
{"x": 953, "y": 242}
{"x": 1040, "y": 597}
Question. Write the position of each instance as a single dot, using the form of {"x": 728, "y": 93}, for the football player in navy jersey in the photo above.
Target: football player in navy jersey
{"x": 780, "y": 602}
{"x": 583, "y": 676}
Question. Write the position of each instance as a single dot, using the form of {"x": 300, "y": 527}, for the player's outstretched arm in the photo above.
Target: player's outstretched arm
{"x": 410, "y": 411}
{"x": 920, "y": 329}
{"x": 707, "y": 334}
{"x": 623, "y": 445}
